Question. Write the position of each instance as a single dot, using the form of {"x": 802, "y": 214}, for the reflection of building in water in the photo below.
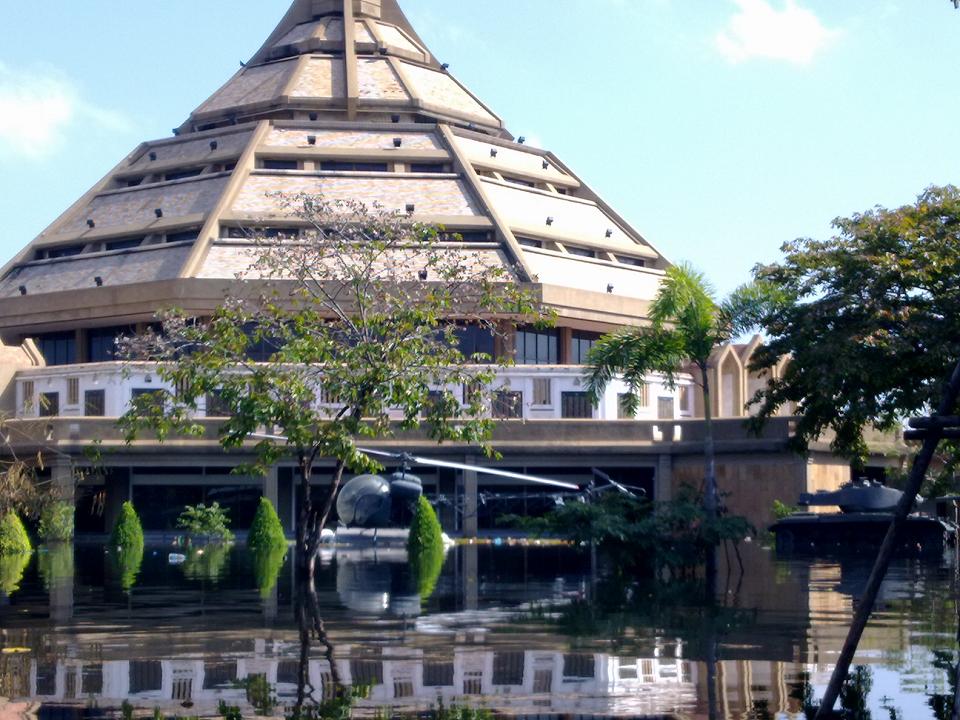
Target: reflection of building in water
{"x": 520, "y": 681}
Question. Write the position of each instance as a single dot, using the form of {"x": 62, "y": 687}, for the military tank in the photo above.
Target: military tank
{"x": 866, "y": 509}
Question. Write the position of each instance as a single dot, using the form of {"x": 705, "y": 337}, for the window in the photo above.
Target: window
{"x": 627, "y": 260}
{"x": 49, "y": 404}
{"x": 665, "y": 408}
{"x": 182, "y": 174}
{"x": 580, "y": 252}
{"x": 580, "y": 346}
{"x": 465, "y": 237}
{"x": 58, "y": 348}
{"x": 575, "y": 405}
{"x": 73, "y": 391}
{"x": 622, "y": 412}
{"x": 428, "y": 167}
{"x": 102, "y": 343}
{"x": 685, "y": 398}
{"x": 518, "y": 181}
{"x": 537, "y": 347}
{"x": 60, "y": 252}
{"x": 542, "y": 391}
{"x": 474, "y": 341}
{"x": 281, "y": 165}
{"x": 216, "y": 407}
{"x": 29, "y": 396}
{"x": 347, "y": 166}
{"x": 124, "y": 244}
{"x": 186, "y": 236}
{"x": 95, "y": 403}
{"x": 153, "y": 396}
{"x": 507, "y": 404}
{"x": 529, "y": 242}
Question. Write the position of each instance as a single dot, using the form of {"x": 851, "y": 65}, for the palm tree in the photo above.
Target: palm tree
{"x": 687, "y": 326}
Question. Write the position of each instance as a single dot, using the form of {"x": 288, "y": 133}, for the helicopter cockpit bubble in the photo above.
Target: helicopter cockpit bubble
{"x": 365, "y": 501}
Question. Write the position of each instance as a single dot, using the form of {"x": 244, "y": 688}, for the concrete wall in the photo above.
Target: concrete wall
{"x": 12, "y": 359}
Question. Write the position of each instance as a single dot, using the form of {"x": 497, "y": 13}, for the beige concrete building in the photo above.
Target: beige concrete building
{"x": 344, "y": 99}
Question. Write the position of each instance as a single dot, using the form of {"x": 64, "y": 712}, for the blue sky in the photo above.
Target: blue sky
{"x": 720, "y": 129}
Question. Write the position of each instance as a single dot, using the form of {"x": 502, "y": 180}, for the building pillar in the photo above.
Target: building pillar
{"x": 271, "y": 487}
{"x": 663, "y": 480}
{"x": 471, "y": 580}
{"x": 63, "y": 480}
{"x": 470, "y": 525}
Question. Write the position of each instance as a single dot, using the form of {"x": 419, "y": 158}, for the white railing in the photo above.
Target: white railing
{"x": 530, "y": 392}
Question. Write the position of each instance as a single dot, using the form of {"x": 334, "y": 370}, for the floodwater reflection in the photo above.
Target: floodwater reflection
{"x": 522, "y": 630}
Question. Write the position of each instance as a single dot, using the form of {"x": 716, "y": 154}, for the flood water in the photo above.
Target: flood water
{"x": 530, "y": 631}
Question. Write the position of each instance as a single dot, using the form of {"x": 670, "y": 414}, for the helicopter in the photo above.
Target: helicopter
{"x": 371, "y": 501}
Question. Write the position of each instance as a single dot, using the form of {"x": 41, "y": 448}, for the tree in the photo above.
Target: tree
{"x": 347, "y": 331}
{"x": 688, "y": 324}
{"x": 870, "y": 319}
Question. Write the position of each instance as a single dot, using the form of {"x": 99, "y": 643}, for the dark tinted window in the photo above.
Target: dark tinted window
{"x": 346, "y": 166}
{"x": 281, "y": 165}
{"x": 537, "y": 347}
{"x": 576, "y": 405}
{"x": 95, "y": 403}
{"x": 102, "y": 343}
{"x": 580, "y": 345}
{"x": 58, "y": 348}
{"x": 427, "y": 168}
{"x": 49, "y": 404}
{"x": 473, "y": 340}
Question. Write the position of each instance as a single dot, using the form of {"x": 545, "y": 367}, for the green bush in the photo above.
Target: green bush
{"x": 13, "y": 535}
{"x": 425, "y": 548}
{"x": 127, "y": 561}
{"x": 128, "y": 532}
{"x": 782, "y": 510}
{"x": 55, "y": 562}
{"x": 266, "y": 531}
{"x": 11, "y": 571}
{"x": 267, "y": 563}
{"x": 210, "y": 522}
{"x": 56, "y": 521}
{"x": 207, "y": 563}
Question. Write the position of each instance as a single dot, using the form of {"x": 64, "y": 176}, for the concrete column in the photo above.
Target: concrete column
{"x": 64, "y": 483}
{"x": 469, "y": 502}
{"x": 471, "y": 581}
{"x": 271, "y": 487}
{"x": 663, "y": 480}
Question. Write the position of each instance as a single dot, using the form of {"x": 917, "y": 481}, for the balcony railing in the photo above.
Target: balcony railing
{"x": 525, "y": 392}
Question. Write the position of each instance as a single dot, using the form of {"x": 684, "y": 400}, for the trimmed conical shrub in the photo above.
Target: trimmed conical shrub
{"x": 266, "y": 532}
{"x": 13, "y": 535}
{"x": 267, "y": 563}
{"x": 425, "y": 548}
{"x": 128, "y": 532}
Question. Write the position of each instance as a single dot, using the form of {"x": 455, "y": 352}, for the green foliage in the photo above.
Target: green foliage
{"x": 55, "y": 562}
{"x": 207, "y": 563}
{"x": 229, "y": 712}
{"x": 260, "y": 694}
{"x": 457, "y": 712}
{"x": 127, "y": 532}
{"x": 12, "y": 568}
{"x": 20, "y": 491}
{"x": 13, "y": 535}
{"x": 782, "y": 510}
{"x": 425, "y": 547}
{"x": 126, "y": 710}
{"x": 157, "y": 714}
{"x": 127, "y": 560}
{"x": 267, "y": 563}
{"x": 337, "y": 707}
{"x": 673, "y": 535}
{"x": 869, "y": 318}
{"x": 211, "y": 522}
{"x": 266, "y": 531}
{"x": 56, "y": 521}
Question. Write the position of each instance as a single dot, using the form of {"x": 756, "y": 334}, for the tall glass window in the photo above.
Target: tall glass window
{"x": 102, "y": 342}
{"x": 580, "y": 345}
{"x": 537, "y": 347}
{"x": 473, "y": 340}
{"x": 58, "y": 348}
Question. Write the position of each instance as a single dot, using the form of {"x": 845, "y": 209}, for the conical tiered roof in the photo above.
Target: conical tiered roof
{"x": 343, "y": 99}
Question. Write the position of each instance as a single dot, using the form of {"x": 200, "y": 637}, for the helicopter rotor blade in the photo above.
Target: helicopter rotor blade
{"x": 496, "y": 472}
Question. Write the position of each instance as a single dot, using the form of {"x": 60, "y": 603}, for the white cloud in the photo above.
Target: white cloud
{"x": 758, "y": 30}
{"x": 38, "y": 106}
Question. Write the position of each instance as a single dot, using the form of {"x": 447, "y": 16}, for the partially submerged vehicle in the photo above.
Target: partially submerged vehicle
{"x": 866, "y": 509}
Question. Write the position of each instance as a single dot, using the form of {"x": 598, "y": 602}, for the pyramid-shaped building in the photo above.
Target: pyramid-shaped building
{"x": 343, "y": 99}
